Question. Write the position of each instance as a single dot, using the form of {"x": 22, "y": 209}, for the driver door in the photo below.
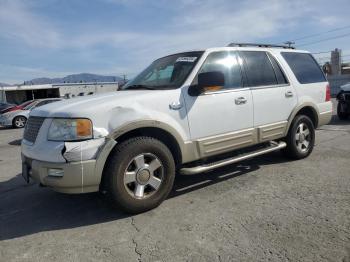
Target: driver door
{"x": 221, "y": 120}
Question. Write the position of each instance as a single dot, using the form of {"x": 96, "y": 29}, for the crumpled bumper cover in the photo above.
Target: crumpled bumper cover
{"x": 81, "y": 176}
{"x": 78, "y": 177}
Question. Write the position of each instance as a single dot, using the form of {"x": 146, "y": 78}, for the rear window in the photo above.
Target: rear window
{"x": 304, "y": 67}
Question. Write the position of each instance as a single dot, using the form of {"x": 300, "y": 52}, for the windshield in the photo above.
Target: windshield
{"x": 24, "y": 104}
{"x": 29, "y": 106}
{"x": 168, "y": 72}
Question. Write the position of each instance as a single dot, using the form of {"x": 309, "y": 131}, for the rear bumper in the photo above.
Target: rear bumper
{"x": 325, "y": 113}
{"x": 325, "y": 118}
{"x": 78, "y": 177}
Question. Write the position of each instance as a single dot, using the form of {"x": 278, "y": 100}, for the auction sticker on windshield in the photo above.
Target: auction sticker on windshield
{"x": 189, "y": 59}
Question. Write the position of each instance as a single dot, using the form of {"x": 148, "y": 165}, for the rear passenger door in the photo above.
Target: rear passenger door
{"x": 273, "y": 97}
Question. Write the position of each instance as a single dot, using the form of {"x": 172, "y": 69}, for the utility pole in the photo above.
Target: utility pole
{"x": 289, "y": 43}
{"x": 124, "y": 78}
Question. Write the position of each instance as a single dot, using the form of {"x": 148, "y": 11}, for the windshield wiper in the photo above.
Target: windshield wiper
{"x": 140, "y": 87}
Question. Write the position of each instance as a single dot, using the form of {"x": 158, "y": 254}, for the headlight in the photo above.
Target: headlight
{"x": 70, "y": 129}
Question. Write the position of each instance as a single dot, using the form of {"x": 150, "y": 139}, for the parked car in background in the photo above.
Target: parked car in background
{"x": 17, "y": 107}
{"x": 18, "y": 118}
{"x": 4, "y": 106}
{"x": 343, "y": 97}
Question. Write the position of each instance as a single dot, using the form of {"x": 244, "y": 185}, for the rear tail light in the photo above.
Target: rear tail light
{"x": 328, "y": 93}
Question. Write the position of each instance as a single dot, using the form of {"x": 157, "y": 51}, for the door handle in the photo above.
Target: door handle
{"x": 175, "y": 105}
{"x": 240, "y": 100}
{"x": 289, "y": 94}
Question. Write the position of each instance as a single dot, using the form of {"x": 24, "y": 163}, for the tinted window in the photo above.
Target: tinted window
{"x": 304, "y": 67}
{"x": 225, "y": 62}
{"x": 45, "y": 102}
{"x": 258, "y": 68}
{"x": 281, "y": 78}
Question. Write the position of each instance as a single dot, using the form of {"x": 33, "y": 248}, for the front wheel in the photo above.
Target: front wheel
{"x": 139, "y": 174}
{"x": 301, "y": 138}
{"x": 19, "y": 121}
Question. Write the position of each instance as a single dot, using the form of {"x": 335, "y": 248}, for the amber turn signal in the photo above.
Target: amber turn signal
{"x": 84, "y": 127}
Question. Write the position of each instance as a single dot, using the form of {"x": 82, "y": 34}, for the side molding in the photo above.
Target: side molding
{"x": 226, "y": 142}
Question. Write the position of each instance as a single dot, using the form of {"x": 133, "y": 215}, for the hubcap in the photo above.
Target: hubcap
{"x": 20, "y": 122}
{"x": 143, "y": 176}
{"x": 302, "y": 137}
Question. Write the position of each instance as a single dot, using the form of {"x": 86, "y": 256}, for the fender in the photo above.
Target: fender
{"x": 187, "y": 148}
{"x": 295, "y": 111}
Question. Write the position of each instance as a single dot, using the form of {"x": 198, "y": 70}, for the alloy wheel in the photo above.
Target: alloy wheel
{"x": 143, "y": 176}
{"x": 20, "y": 122}
{"x": 302, "y": 138}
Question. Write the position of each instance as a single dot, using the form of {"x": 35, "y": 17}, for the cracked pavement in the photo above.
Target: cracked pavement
{"x": 266, "y": 209}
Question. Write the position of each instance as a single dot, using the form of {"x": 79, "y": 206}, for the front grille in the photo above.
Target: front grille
{"x": 32, "y": 128}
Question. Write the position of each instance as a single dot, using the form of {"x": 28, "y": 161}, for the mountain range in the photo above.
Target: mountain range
{"x": 75, "y": 78}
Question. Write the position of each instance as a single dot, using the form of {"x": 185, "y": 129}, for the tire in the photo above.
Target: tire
{"x": 301, "y": 138}
{"x": 140, "y": 174}
{"x": 19, "y": 122}
{"x": 341, "y": 115}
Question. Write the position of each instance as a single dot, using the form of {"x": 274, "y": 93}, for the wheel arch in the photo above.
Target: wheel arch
{"x": 158, "y": 133}
{"x": 154, "y": 129}
{"x": 308, "y": 109}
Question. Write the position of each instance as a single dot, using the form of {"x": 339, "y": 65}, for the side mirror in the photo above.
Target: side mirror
{"x": 209, "y": 81}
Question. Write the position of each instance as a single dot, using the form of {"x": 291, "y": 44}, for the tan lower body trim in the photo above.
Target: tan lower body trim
{"x": 226, "y": 142}
{"x": 222, "y": 143}
{"x": 272, "y": 131}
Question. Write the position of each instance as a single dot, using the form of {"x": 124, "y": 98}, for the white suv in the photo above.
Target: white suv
{"x": 186, "y": 113}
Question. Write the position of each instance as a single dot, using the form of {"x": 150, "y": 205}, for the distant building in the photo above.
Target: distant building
{"x": 21, "y": 93}
{"x": 336, "y": 62}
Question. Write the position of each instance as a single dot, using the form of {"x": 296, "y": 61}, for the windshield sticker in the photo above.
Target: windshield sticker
{"x": 189, "y": 59}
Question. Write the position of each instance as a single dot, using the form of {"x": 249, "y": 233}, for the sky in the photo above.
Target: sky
{"x": 54, "y": 38}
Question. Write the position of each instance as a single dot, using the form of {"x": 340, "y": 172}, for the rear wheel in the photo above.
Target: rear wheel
{"x": 300, "y": 138}
{"x": 19, "y": 121}
{"x": 341, "y": 115}
{"x": 140, "y": 174}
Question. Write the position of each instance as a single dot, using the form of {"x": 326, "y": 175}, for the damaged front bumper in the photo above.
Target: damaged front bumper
{"x": 78, "y": 168}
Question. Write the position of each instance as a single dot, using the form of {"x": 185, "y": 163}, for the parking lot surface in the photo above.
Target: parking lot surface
{"x": 265, "y": 209}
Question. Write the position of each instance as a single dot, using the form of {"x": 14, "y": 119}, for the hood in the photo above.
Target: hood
{"x": 345, "y": 88}
{"x": 89, "y": 105}
{"x": 109, "y": 111}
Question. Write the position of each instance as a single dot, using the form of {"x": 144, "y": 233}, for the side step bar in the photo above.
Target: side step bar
{"x": 207, "y": 167}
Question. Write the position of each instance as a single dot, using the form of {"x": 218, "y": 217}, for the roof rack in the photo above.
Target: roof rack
{"x": 261, "y": 45}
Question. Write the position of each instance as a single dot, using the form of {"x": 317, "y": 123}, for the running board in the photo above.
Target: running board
{"x": 208, "y": 167}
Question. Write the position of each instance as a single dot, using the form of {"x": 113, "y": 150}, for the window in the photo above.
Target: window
{"x": 304, "y": 67}
{"x": 280, "y": 76}
{"x": 169, "y": 72}
{"x": 258, "y": 68}
{"x": 225, "y": 62}
{"x": 41, "y": 103}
